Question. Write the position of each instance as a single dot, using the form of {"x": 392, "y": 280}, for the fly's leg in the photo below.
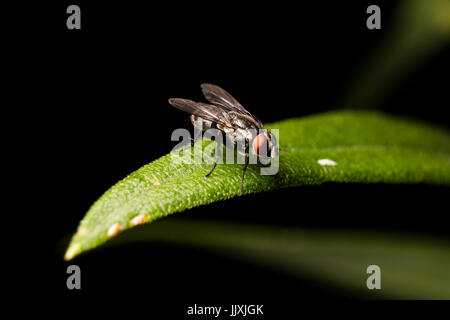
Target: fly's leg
{"x": 247, "y": 157}
{"x": 218, "y": 156}
{"x": 243, "y": 175}
{"x": 214, "y": 166}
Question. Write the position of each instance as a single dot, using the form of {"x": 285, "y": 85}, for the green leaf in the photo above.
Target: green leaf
{"x": 412, "y": 266}
{"x": 368, "y": 147}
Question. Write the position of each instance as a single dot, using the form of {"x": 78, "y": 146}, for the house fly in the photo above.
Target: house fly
{"x": 226, "y": 114}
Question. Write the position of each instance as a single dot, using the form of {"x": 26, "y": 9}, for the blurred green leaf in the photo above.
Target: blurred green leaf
{"x": 412, "y": 266}
{"x": 368, "y": 147}
{"x": 419, "y": 30}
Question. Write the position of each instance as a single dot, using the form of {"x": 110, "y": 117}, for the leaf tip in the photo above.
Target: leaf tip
{"x": 72, "y": 251}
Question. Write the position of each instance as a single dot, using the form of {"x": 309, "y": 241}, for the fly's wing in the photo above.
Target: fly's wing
{"x": 203, "y": 110}
{"x": 218, "y": 96}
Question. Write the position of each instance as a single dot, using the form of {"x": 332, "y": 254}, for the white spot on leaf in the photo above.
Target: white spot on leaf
{"x": 81, "y": 231}
{"x": 113, "y": 230}
{"x": 327, "y": 162}
{"x": 140, "y": 219}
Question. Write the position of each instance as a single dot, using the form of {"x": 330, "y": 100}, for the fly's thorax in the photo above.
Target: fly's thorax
{"x": 243, "y": 134}
{"x": 226, "y": 130}
{"x": 239, "y": 123}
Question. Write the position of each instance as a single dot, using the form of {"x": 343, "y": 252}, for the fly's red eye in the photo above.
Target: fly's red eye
{"x": 260, "y": 145}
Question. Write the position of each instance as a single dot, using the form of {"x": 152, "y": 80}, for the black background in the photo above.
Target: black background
{"x": 100, "y": 111}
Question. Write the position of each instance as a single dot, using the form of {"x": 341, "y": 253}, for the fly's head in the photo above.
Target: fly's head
{"x": 265, "y": 145}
